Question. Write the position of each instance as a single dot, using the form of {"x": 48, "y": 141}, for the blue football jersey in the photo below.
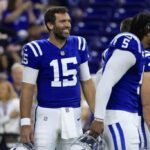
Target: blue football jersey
{"x": 147, "y": 61}
{"x": 58, "y": 81}
{"x": 146, "y": 69}
{"x": 126, "y": 93}
{"x": 143, "y": 135}
{"x": 103, "y": 58}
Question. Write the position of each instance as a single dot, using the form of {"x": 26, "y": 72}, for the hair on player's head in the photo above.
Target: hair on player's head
{"x": 140, "y": 25}
{"x": 125, "y": 24}
{"x": 50, "y": 14}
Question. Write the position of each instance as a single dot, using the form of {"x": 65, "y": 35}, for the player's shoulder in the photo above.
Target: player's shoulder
{"x": 126, "y": 35}
{"x": 127, "y": 41}
{"x": 75, "y": 37}
{"x": 35, "y": 43}
{"x": 79, "y": 40}
{"x": 35, "y": 47}
{"x": 104, "y": 53}
{"x": 147, "y": 57}
{"x": 147, "y": 54}
{"x": 147, "y": 60}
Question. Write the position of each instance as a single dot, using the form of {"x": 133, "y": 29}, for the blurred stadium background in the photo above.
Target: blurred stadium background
{"x": 97, "y": 20}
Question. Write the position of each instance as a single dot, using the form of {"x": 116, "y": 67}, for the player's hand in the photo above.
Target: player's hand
{"x": 97, "y": 128}
{"x": 26, "y": 134}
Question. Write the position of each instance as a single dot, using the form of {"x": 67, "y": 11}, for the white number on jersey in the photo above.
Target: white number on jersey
{"x": 24, "y": 57}
{"x": 65, "y": 71}
{"x": 140, "y": 82}
{"x": 126, "y": 41}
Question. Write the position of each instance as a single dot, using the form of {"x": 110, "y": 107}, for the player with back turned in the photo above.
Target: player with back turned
{"x": 144, "y": 110}
{"x": 118, "y": 92}
{"x": 58, "y": 65}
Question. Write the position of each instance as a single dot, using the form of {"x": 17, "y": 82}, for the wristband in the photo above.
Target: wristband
{"x": 98, "y": 119}
{"x": 25, "y": 121}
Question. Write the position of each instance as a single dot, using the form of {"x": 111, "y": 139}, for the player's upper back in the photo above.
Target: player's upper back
{"x": 127, "y": 42}
{"x": 125, "y": 93}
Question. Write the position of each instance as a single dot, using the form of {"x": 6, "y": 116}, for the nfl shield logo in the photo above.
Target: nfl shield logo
{"x": 62, "y": 53}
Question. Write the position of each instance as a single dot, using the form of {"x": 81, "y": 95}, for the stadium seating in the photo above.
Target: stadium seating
{"x": 101, "y": 22}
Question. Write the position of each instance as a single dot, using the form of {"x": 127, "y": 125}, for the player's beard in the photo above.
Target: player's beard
{"x": 59, "y": 34}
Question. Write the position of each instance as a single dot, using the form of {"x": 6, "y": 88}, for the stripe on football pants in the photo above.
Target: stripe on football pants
{"x": 113, "y": 136}
{"x": 122, "y": 139}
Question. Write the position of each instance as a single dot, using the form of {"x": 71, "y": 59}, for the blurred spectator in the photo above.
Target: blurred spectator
{"x": 15, "y": 51}
{"x": 16, "y": 72}
{"x": 18, "y": 15}
{"x": 9, "y": 114}
{"x": 6, "y": 62}
{"x": 3, "y": 77}
{"x": 40, "y": 6}
{"x": 77, "y": 8}
{"x": 36, "y": 32}
{"x": 3, "y": 5}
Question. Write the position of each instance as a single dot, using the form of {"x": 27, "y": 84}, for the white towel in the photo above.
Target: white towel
{"x": 69, "y": 128}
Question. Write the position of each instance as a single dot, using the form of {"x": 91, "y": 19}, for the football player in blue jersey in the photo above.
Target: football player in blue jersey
{"x": 145, "y": 95}
{"x": 118, "y": 92}
{"x": 58, "y": 65}
{"x": 144, "y": 133}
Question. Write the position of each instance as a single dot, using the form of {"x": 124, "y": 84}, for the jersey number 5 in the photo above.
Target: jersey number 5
{"x": 126, "y": 41}
{"x": 65, "y": 72}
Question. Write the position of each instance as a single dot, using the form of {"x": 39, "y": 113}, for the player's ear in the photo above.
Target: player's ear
{"x": 50, "y": 26}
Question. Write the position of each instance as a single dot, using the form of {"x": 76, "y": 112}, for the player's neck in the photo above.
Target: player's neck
{"x": 57, "y": 42}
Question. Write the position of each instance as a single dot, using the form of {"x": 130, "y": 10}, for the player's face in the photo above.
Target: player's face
{"x": 62, "y": 26}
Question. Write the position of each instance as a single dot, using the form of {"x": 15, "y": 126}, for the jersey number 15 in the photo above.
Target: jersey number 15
{"x": 65, "y": 72}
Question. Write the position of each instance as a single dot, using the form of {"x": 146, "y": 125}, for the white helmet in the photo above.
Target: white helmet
{"x": 23, "y": 146}
{"x": 88, "y": 142}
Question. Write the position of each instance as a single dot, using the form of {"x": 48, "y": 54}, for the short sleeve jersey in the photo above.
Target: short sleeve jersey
{"x": 58, "y": 81}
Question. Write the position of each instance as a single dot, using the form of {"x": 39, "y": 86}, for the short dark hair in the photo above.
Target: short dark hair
{"x": 126, "y": 24}
{"x": 50, "y": 14}
{"x": 140, "y": 25}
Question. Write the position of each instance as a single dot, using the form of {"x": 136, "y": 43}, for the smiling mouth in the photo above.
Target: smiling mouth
{"x": 66, "y": 30}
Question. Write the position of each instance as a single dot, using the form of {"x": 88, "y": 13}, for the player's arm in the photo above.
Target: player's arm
{"x": 87, "y": 85}
{"x": 145, "y": 94}
{"x": 98, "y": 77}
{"x": 30, "y": 60}
{"x": 28, "y": 87}
{"x": 119, "y": 63}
